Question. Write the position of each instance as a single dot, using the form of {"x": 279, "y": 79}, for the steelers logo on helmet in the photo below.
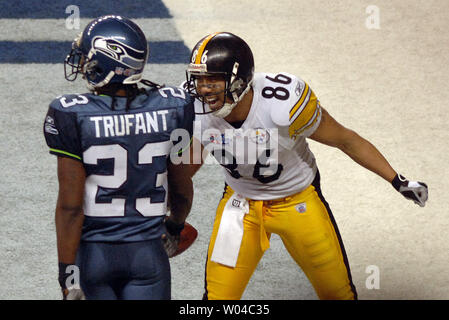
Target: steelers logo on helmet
{"x": 225, "y": 55}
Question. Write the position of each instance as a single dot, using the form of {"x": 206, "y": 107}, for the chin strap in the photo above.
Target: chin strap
{"x": 224, "y": 111}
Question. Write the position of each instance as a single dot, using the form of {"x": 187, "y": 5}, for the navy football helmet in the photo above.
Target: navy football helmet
{"x": 111, "y": 49}
{"x": 225, "y": 54}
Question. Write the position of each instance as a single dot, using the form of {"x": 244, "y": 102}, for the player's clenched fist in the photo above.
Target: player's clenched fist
{"x": 412, "y": 190}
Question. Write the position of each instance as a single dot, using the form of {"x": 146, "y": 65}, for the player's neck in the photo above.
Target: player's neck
{"x": 116, "y": 89}
{"x": 118, "y": 93}
{"x": 241, "y": 110}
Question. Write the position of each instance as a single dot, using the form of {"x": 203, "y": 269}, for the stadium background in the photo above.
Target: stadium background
{"x": 388, "y": 84}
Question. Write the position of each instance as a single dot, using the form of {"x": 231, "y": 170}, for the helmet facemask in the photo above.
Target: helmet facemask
{"x": 235, "y": 89}
{"x": 77, "y": 62}
{"x": 74, "y": 61}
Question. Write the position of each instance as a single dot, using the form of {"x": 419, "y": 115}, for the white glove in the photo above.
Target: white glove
{"x": 171, "y": 238}
{"x": 412, "y": 190}
{"x": 72, "y": 293}
{"x": 170, "y": 244}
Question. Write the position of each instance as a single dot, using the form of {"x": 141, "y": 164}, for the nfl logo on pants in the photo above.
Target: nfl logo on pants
{"x": 301, "y": 208}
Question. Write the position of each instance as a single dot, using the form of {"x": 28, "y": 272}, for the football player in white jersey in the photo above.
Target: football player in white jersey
{"x": 256, "y": 126}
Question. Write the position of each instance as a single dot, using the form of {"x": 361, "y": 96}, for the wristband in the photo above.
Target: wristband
{"x": 397, "y": 181}
{"x": 63, "y": 275}
{"x": 173, "y": 228}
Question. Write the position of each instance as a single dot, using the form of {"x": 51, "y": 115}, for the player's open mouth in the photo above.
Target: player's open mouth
{"x": 213, "y": 102}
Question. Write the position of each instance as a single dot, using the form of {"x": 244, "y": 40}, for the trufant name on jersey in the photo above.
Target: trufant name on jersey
{"x": 130, "y": 124}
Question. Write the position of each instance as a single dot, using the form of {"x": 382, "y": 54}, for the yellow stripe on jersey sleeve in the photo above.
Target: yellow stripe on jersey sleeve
{"x": 300, "y": 101}
{"x": 312, "y": 122}
{"x": 306, "y": 118}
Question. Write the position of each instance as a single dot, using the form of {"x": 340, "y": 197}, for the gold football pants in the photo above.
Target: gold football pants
{"x": 305, "y": 224}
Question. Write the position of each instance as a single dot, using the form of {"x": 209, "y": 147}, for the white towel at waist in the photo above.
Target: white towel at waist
{"x": 230, "y": 232}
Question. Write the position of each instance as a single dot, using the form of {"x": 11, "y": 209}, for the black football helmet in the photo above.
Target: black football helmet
{"x": 222, "y": 53}
{"x": 111, "y": 49}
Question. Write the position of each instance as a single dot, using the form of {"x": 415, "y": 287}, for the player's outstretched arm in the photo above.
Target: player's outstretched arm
{"x": 332, "y": 133}
{"x": 69, "y": 219}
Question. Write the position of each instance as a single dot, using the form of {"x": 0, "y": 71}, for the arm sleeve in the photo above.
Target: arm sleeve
{"x": 187, "y": 116}
{"x": 61, "y": 133}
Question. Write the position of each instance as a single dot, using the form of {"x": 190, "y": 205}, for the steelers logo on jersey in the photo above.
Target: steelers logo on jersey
{"x": 259, "y": 136}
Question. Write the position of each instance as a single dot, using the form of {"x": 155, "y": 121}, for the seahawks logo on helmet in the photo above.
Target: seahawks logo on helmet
{"x": 118, "y": 51}
{"x": 111, "y": 49}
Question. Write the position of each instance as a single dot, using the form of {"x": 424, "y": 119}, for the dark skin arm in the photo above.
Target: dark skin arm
{"x": 333, "y": 134}
{"x": 195, "y": 158}
{"x": 180, "y": 191}
{"x": 180, "y": 187}
{"x": 69, "y": 215}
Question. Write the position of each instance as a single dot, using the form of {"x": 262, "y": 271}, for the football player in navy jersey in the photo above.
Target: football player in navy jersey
{"x": 115, "y": 176}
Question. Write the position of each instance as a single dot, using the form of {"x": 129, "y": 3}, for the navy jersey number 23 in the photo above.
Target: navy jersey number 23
{"x": 124, "y": 154}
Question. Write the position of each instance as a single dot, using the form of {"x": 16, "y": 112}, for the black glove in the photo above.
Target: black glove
{"x": 72, "y": 291}
{"x": 412, "y": 190}
{"x": 172, "y": 236}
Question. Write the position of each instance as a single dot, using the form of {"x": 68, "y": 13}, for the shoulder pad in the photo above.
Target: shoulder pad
{"x": 65, "y": 102}
{"x": 173, "y": 92}
{"x": 293, "y": 104}
{"x": 295, "y": 87}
